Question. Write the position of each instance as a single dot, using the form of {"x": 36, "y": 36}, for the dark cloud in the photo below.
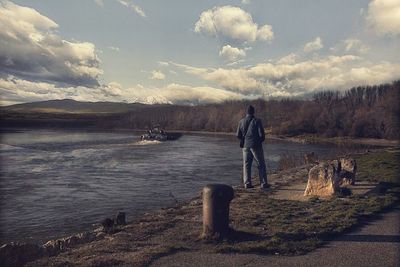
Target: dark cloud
{"x": 30, "y": 49}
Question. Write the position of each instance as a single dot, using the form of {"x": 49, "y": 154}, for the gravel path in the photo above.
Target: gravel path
{"x": 375, "y": 244}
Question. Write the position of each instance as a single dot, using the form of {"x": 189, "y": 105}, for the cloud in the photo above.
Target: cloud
{"x": 14, "y": 90}
{"x": 114, "y": 48}
{"x": 281, "y": 78}
{"x": 157, "y": 75}
{"x": 163, "y": 63}
{"x": 100, "y": 3}
{"x": 232, "y": 23}
{"x": 292, "y": 77}
{"x": 232, "y": 53}
{"x": 351, "y": 45}
{"x": 112, "y": 89}
{"x": 383, "y": 16}
{"x": 246, "y": 2}
{"x": 31, "y": 49}
{"x": 182, "y": 94}
{"x": 137, "y": 9}
{"x": 288, "y": 59}
{"x": 234, "y": 63}
{"x": 313, "y": 45}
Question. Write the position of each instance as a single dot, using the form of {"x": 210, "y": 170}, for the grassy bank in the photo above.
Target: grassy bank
{"x": 340, "y": 141}
{"x": 260, "y": 224}
{"x": 379, "y": 166}
{"x": 294, "y": 227}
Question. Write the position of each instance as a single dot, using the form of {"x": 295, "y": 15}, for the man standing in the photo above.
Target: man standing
{"x": 251, "y": 134}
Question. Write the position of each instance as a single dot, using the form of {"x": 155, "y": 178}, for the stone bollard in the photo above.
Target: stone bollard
{"x": 216, "y": 198}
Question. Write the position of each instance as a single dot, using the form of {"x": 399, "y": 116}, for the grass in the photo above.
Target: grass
{"x": 379, "y": 166}
{"x": 293, "y": 227}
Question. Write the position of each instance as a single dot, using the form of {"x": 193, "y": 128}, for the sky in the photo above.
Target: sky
{"x": 193, "y": 52}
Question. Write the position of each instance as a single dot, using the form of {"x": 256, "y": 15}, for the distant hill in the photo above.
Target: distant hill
{"x": 72, "y": 106}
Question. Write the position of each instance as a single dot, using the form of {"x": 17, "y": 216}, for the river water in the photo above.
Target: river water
{"x": 55, "y": 183}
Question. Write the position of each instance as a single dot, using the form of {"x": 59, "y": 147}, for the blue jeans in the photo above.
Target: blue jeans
{"x": 248, "y": 155}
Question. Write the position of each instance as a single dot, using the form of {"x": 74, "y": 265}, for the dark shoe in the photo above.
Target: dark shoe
{"x": 265, "y": 186}
{"x": 248, "y": 186}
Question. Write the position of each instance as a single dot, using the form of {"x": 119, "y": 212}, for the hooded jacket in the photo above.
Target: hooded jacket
{"x": 255, "y": 133}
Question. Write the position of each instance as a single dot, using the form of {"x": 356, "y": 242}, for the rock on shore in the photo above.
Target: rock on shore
{"x": 323, "y": 179}
{"x": 326, "y": 178}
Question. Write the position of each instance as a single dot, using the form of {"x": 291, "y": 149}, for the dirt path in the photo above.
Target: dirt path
{"x": 375, "y": 244}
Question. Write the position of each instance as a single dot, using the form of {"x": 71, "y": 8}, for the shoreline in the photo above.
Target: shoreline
{"x": 338, "y": 140}
{"x": 304, "y": 139}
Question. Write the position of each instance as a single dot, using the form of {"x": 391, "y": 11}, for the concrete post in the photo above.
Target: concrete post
{"x": 216, "y": 198}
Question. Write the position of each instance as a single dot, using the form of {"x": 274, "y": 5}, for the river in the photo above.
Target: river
{"x": 56, "y": 182}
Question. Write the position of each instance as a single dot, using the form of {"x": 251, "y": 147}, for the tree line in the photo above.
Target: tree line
{"x": 363, "y": 111}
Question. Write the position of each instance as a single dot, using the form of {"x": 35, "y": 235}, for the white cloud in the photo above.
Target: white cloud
{"x": 383, "y": 16}
{"x": 232, "y": 23}
{"x": 114, "y": 48}
{"x": 288, "y": 59}
{"x": 137, "y": 9}
{"x": 182, "y": 94}
{"x": 265, "y": 33}
{"x": 30, "y": 48}
{"x": 292, "y": 77}
{"x": 199, "y": 94}
{"x": 157, "y": 75}
{"x": 313, "y": 45}
{"x": 232, "y": 53}
{"x": 246, "y": 2}
{"x": 282, "y": 78}
{"x": 351, "y": 45}
{"x": 163, "y": 63}
{"x": 113, "y": 89}
{"x": 100, "y": 3}
{"x": 234, "y": 63}
{"x": 14, "y": 90}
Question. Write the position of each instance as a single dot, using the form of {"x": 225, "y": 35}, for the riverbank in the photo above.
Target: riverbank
{"x": 261, "y": 223}
{"x": 312, "y": 139}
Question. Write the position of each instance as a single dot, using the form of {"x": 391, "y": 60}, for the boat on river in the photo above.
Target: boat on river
{"x": 158, "y": 134}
